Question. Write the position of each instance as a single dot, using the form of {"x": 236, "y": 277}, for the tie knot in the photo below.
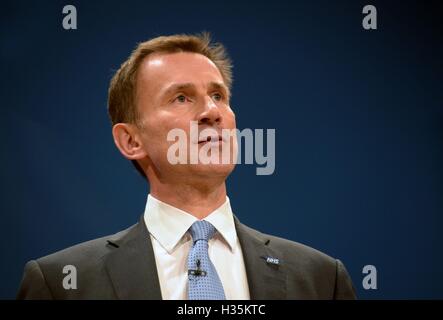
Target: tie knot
{"x": 202, "y": 230}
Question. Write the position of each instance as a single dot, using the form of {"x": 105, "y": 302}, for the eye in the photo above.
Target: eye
{"x": 217, "y": 96}
{"x": 181, "y": 98}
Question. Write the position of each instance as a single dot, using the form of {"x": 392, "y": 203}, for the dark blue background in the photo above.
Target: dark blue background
{"x": 358, "y": 117}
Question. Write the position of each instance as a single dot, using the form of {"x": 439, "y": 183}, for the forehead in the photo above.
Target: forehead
{"x": 162, "y": 69}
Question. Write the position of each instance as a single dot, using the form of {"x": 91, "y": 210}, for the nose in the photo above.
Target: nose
{"x": 210, "y": 115}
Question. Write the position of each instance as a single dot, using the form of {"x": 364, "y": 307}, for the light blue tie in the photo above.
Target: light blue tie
{"x": 204, "y": 283}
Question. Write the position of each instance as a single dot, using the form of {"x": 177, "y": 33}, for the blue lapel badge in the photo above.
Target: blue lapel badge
{"x": 271, "y": 260}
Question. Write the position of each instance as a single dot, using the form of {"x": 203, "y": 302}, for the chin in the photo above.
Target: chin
{"x": 213, "y": 170}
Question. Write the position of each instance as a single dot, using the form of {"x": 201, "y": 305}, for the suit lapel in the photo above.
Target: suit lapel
{"x": 265, "y": 280}
{"x": 133, "y": 272}
{"x": 131, "y": 266}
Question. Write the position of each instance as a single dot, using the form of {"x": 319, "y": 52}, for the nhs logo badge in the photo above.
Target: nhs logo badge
{"x": 272, "y": 260}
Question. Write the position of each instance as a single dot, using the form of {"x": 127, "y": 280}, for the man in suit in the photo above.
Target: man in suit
{"x": 188, "y": 244}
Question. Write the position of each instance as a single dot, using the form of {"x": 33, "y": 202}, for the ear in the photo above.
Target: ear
{"x": 127, "y": 139}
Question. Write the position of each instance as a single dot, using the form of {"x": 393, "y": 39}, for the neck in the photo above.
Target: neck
{"x": 198, "y": 200}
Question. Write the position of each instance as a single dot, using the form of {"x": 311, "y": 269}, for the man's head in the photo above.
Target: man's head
{"x": 166, "y": 83}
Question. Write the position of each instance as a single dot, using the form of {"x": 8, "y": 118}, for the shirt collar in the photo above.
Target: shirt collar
{"x": 168, "y": 224}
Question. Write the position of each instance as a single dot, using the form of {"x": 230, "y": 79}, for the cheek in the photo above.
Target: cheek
{"x": 157, "y": 135}
{"x": 230, "y": 119}
{"x": 178, "y": 122}
{"x": 174, "y": 120}
{"x": 160, "y": 124}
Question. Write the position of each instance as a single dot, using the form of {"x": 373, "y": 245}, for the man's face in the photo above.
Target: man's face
{"x": 173, "y": 90}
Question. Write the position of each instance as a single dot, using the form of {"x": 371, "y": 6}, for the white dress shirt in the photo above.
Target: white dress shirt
{"x": 168, "y": 227}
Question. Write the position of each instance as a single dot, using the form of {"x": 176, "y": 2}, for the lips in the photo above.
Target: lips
{"x": 210, "y": 139}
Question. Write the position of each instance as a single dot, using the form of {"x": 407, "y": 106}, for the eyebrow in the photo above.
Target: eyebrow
{"x": 220, "y": 86}
{"x": 188, "y": 86}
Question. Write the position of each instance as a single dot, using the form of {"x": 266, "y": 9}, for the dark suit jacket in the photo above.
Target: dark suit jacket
{"x": 122, "y": 266}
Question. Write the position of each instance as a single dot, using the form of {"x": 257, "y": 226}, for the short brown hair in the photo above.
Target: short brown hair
{"x": 123, "y": 85}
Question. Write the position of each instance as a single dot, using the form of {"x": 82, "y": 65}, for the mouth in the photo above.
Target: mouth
{"x": 212, "y": 139}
